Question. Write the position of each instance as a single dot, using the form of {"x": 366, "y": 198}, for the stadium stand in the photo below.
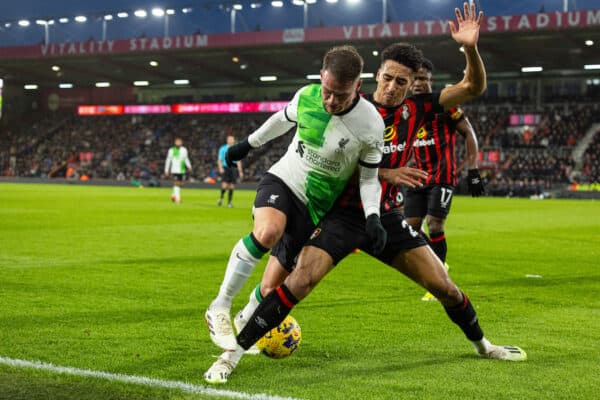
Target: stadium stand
{"x": 532, "y": 160}
{"x": 126, "y": 147}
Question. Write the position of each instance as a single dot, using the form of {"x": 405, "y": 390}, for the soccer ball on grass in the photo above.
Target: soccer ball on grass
{"x": 281, "y": 341}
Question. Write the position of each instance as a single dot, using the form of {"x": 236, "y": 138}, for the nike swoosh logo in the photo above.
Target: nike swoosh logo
{"x": 237, "y": 255}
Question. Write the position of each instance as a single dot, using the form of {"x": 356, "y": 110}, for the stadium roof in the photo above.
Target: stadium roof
{"x": 555, "y": 41}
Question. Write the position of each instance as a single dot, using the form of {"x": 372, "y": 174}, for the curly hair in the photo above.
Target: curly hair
{"x": 427, "y": 64}
{"x": 405, "y": 54}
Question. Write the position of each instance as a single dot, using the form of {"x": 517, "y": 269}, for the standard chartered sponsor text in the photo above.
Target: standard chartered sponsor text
{"x": 322, "y": 162}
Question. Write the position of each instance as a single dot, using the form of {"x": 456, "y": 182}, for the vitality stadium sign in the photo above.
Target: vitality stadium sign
{"x": 495, "y": 24}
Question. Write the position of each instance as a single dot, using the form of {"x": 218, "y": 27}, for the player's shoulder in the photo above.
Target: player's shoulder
{"x": 423, "y": 98}
{"x": 366, "y": 120}
{"x": 312, "y": 89}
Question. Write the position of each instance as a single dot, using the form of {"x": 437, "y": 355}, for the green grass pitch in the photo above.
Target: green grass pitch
{"x": 117, "y": 280}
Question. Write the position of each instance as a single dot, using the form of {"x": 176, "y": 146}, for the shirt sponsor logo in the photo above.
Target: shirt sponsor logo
{"x": 421, "y": 133}
{"x": 423, "y": 142}
{"x": 390, "y": 133}
{"x": 319, "y": 161}
{"x": 392, "y": 148}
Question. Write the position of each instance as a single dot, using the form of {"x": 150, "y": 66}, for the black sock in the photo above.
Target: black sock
{"x": 229, "y": 195}
{"x": 269, "y": 313}
{"x": 222, "y": 192}
{"x": 437, "y": 241}
{"x": 465, "y": 317}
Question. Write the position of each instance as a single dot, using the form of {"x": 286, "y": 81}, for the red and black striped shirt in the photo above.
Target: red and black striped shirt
{"x": 401, "y": 126}
{"x": 435, "y": 146}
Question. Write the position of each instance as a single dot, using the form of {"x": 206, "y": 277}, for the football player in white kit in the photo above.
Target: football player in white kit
{"x": 177, "y": 164}
{"x": 336, "y": 130}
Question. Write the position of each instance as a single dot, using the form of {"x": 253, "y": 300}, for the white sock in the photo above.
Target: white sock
{"x": 240, "y": 266}
{"x": 253, "y": 303}
{"x": 176, "y": 191}
{"x": 482, "y": 346}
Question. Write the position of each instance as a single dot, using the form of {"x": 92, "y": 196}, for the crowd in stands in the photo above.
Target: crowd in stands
{"x": 126, "y": 147}
{"x": 529, "y": 160}
{"x": 532, "y": 160}
{"x": 590, "y": 173}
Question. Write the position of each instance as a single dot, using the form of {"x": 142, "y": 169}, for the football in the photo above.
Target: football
{"x": 281, "y": 341}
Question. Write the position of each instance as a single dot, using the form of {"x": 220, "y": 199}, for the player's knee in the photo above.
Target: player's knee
{"x": 448, "y": 294}
{"x": 268, "y": 235}
{"x": 266, "y": 288}
{"x": 301, "y": 284}
{"x": 435, "y": 225}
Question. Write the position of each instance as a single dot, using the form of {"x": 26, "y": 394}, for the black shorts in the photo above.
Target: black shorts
{"x": 229, "y": 175}
{"x": 434, "y": 200}
{"x": 343, "y": 230}
{"x": 179, "y": 177}
{"x": 272, "y": 192}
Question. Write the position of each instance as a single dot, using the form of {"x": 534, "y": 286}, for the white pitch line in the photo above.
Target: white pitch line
{"x": 139, "y": 380}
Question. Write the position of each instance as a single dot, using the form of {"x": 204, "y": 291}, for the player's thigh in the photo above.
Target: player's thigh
{"x": 400, "y": 237}
{"x": 439, "y": 201}
{"x": 296, "y": 234}
{"x": 273, "y": 205}
{"x": 415, "y": 204}
{"x": 339, "y": 233}
{"x": 313, "y": 264}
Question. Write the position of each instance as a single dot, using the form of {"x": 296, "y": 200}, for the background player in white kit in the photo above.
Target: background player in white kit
{"x": 177, "y": 164}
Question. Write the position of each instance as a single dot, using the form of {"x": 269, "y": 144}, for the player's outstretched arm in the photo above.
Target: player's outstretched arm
{"x": 466, "y": 34}
{"x": 465, "y": 129}
{"x": 277, "y": 125}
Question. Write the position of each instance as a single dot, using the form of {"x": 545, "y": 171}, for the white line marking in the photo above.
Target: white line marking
{"x": 139, "y": 380}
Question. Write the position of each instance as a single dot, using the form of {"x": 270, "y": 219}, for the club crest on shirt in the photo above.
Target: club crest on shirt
{"x": 405, "y": 111}
{"x": 342, "y": 144}
{"x": 456, "y": 113}
{"x": 315, "y": 233}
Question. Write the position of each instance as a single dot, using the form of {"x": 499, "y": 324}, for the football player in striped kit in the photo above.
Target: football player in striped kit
{"x": 434, "y": 150}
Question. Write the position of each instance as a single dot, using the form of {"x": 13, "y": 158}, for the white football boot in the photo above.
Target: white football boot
{"x": 220, "y": 328}
{"x": 240, "y": 322}
{"x": 507, "y": 353}
{"x": 221, "y": 369}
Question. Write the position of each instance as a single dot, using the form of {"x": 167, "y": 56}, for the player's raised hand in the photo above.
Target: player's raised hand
{"x": 466, "y": 32}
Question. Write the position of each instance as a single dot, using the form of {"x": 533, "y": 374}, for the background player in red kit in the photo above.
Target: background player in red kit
{"x": 434, "y": 149}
